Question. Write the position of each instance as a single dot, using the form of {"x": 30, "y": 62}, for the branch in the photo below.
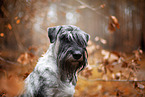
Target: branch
{"x": 93, "y": 9}
{"x": 102, "y": 80}
{"x": 7, "y": 61}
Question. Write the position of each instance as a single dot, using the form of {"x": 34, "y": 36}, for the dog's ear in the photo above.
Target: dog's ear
{"x": 87, "y": 37}
{"x": 52, "y": 33}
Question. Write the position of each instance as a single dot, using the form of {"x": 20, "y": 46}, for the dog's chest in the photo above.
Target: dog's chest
{"x": 67, "y": 88}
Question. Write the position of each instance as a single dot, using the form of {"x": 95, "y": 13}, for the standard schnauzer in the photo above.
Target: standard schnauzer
{"x": 55, "y": 72}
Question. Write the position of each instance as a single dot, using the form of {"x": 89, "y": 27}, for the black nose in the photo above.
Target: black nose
{"x": 77, "y": 55}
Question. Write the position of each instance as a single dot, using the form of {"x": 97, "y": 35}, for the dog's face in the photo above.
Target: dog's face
{"x": 70, "y": 48}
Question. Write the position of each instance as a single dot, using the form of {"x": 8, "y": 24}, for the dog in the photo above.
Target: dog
{"x": 55, "y": 74}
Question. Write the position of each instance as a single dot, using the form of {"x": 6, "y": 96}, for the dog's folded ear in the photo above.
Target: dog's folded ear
{"x": 52, "y": 33}
{"x": 87, "y": 37}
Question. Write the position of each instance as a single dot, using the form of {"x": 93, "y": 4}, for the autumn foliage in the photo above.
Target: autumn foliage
{"x": 109, "y": 73}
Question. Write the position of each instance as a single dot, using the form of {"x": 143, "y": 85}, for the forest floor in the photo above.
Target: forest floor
{"x": 86, "y": 86}
{"x": 94, "y": 87}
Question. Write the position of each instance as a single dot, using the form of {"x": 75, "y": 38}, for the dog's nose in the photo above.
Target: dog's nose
{"x": 77, "y": 55}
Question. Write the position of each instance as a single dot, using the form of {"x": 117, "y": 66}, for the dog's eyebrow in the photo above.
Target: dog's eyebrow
{"x": 78, "y": 39}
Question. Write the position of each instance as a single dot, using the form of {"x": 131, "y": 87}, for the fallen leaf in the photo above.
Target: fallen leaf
{"x": 26, "y": 58}
{"x": 90, "y": 43}
{"x": 105, "y": 77}
{"x": 97, "y": 38}
{"x": 118, "y": 75}
{"x": 138, "y": 54}
{"x": 140, "y": 86}
{"x": 124, "y": 65}
{"x": 87, "y": 72}
{"x": 105, "y": 54}
{"x": 98, "y": 46}
{"x": 9, "y": 26}
{"x": 103, "y": 41}
{"x": 113, "y": 76}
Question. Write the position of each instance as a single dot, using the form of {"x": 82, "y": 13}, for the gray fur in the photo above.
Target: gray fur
{"x": 55, "y": 72}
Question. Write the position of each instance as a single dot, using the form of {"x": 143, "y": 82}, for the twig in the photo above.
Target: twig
{"x": 102, "y": 80}
{"x": 7, "y": 61}
{"x": 66, "y": 5}
{"x": 94, "y": 9}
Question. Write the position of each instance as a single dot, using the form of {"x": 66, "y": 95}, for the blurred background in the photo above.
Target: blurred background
{"x": 115, "y": 48}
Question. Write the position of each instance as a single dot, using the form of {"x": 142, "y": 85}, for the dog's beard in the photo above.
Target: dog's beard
{"x": 68, "y": 66}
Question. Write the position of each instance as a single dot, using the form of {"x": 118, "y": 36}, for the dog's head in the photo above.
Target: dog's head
{"x": 70, "y": 48}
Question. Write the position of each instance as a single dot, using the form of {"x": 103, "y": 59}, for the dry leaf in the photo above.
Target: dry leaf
{"x": 2, "y": 34}
{"x": 124, "y": 65}
{"x": 113, "y": 24}
{"x": 115, "y": 21}
{"x": 26, "y": 58}
{"x": 118, "y": 75}
{"x": 87, "y": 72}
{"x": 90, "y": 43}
{"x": 97, "y": 38}
{"x": 140, "y": 86}
{"x": 18, "y": 21}
{"x": 103, "y": 41}
{"x": 103, "y": 5}
{"x": 138, "y": 54}
{"x": 98, "y": 46}
{"x": 105, "y": 54}
{"x": 113, "y": 76}
{"x": 16, "y": 18}
{"x": 105, "y": 77}
{"x": 113, "y": 57}
{"x": 9, "y": 26}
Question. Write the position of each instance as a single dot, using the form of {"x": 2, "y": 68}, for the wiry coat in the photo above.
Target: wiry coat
{"x": 55, "y": 72}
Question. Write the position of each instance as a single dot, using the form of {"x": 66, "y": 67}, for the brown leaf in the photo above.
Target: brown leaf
{"x": 18, "y": 21}
{"x": 9, "y": 26}
{"x": 2, "y": 34}
{"x": 103, "y": 5}
{"x": 103, "y": 41}
{"x": 115, "y": 21}
{"x": 26, "y": 58}
{"x": 118, "y": 75}
{"x": 87, "y": 72}
{"x": 138, "y": 54}
{"x": 105, "y": 77}
{"x": 97, "y": 38}
{"x": 16, "y": 18}
{"x": 124, "y": 65}
{"x": 113, "y": 24}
